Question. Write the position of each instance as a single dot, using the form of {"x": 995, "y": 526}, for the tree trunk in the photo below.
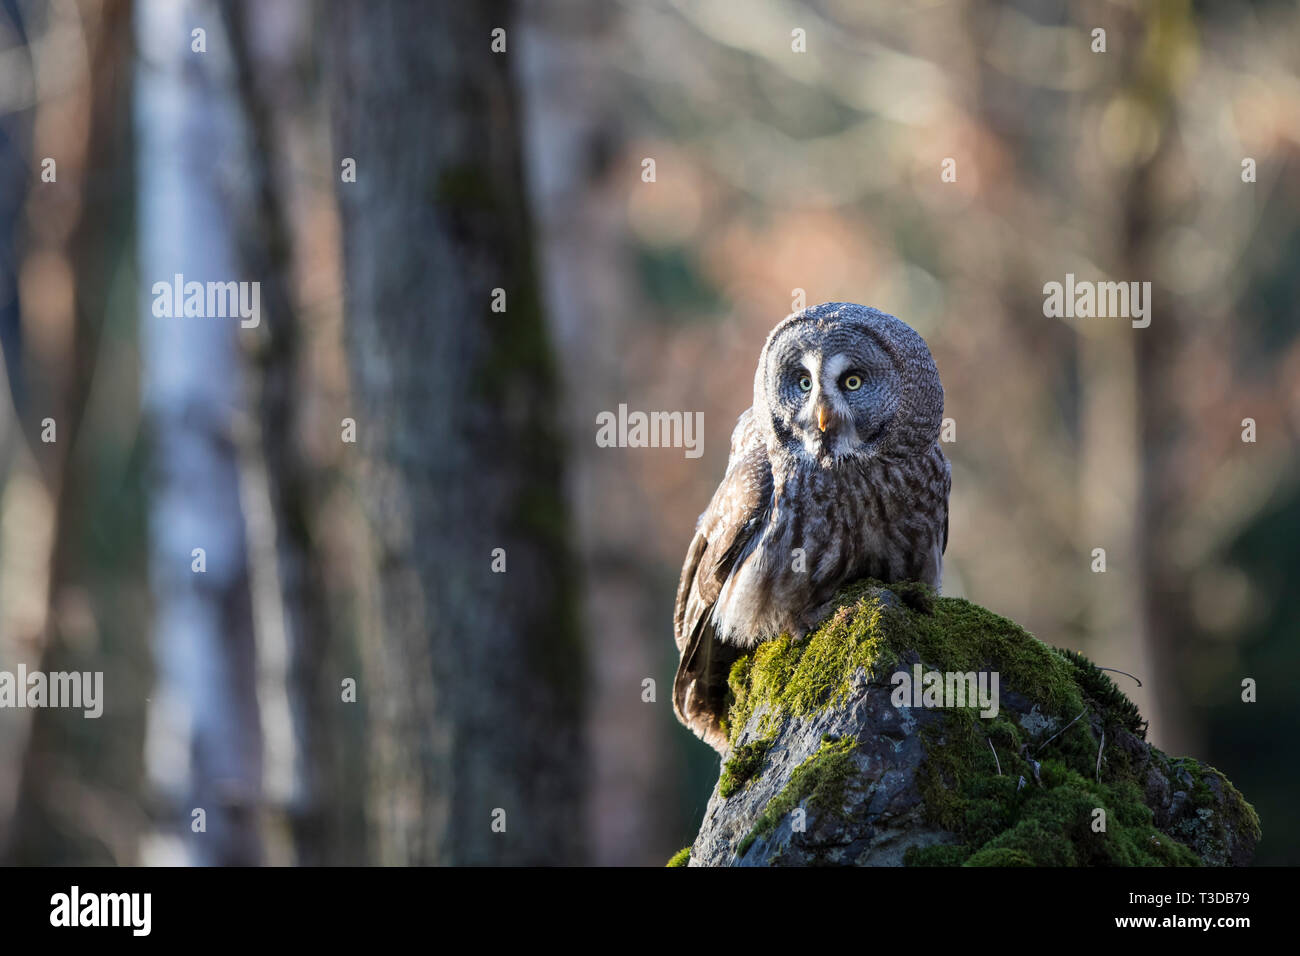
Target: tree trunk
{"x": 205, "y": 742}
{"x": 81, "y": 777}
{"x": 303, "y": 628}
{"x": 574, "y": 124}
{"x": 475, "y": 674}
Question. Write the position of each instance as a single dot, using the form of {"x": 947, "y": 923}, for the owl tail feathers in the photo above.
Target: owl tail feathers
{"x": 700, "y": 688}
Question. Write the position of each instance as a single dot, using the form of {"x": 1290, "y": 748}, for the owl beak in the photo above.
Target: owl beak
{"x": 824, "y": 416}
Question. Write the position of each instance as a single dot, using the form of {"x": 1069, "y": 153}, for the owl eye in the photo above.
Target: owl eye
{"x": 853, "y": 382}
{"x": 805, "y": 383}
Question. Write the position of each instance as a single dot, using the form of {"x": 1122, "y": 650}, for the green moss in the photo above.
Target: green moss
{"x": 1219, "y": 810}
{"x": 941, "y": 854}
{"x": 784, "y": 677}
{"x": 681, "y": 857}
{"x": 1103, "y": 695}
{"x": 960, "y": 636}
{"x": 744, "y": 763}
{"x": 820, "y": 780}
{"x": 999, "y": 857}
{"x": 1048, "y": 820}
{"x": 1054, "y": 826}
{"x": 971, "y": 780}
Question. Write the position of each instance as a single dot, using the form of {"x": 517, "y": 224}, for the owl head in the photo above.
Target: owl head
{"x": 840, "y": 381}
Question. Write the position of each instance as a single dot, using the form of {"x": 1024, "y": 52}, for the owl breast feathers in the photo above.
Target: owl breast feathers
{"x": 835, "y": 474}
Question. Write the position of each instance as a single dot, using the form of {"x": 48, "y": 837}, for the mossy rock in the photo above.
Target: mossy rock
{"x": 831, "y": 763}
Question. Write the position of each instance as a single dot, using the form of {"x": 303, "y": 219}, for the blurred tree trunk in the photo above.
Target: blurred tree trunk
{"x": 296, "y": 611}
{"x": 1130, "y": 486}
{"x": 81, "y": 777}
{"x": 1166, "y": 598}
{"x": 16, "y": 169}
{"x": 575, "y": 129}
{"x": 205, "y": 742}
{"x": 475, "y": 678}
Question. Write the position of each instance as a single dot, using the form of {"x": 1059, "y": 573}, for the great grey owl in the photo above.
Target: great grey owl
{"x": 835, "y": 474}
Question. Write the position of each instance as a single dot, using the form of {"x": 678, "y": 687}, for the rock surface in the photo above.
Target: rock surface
{"x": 825, "y": 769}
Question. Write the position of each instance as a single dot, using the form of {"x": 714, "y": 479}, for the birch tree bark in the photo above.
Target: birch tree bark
{"x": 204, "y": 747}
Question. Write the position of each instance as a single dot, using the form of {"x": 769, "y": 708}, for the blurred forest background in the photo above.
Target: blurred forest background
{"x": 775, "y": 171}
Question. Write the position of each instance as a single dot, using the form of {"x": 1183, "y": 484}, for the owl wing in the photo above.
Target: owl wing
{"x": 943, "y": 498}
{"x": 724, "y": 532}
